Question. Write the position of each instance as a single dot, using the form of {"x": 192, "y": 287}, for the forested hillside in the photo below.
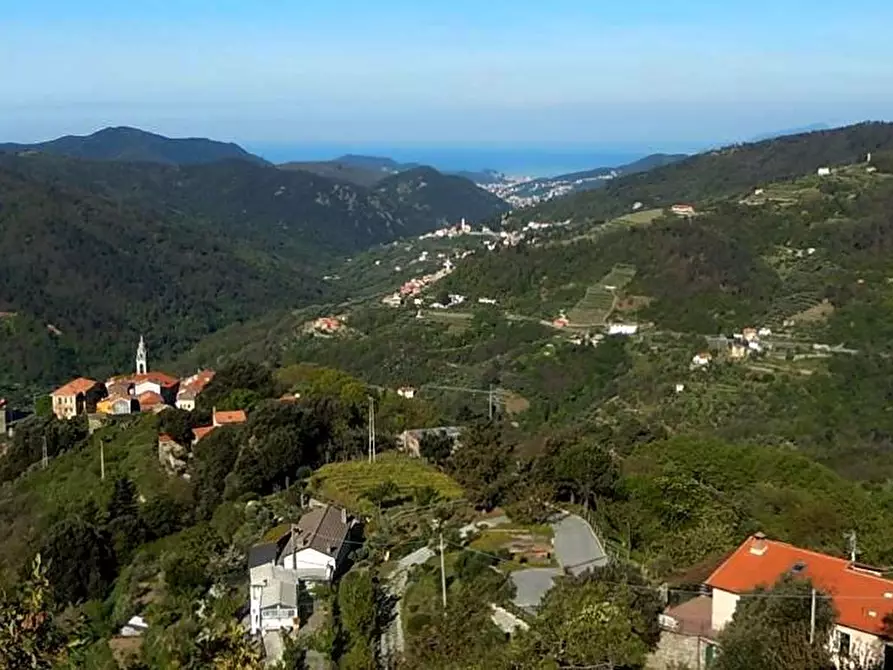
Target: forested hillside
{"x": 723, "y": 172}
{"x": 134, "y": 145}
{"x": 83, "y": 276}
{"x": 424, "y": 193}
{"x": 103, "y": 251}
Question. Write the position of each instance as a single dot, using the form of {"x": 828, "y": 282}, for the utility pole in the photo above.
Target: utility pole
{"x": 490, "y": 401}
{"x": 371, "y": 424}
{"x": 812, "y": 620}
{"x": 853, "y": 547}
{"x": 45, "y": 458}
{"x": 102, "y": 460}
{"x": 442, "y": 572}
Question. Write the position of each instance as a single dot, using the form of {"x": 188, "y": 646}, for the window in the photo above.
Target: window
{"x": 709, "y": 654}
{"x": 843, "y": 644}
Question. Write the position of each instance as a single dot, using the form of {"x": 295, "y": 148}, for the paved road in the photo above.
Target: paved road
{"x": 577, "y": 549}
{"x": 576, "y": 546}
{"x": 392, "y": 637}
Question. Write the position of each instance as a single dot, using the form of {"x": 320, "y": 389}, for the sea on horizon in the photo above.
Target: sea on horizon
{"x": 514, "y": 161}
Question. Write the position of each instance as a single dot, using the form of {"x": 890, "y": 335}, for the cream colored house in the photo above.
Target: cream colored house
{"x": 862, "y": 597}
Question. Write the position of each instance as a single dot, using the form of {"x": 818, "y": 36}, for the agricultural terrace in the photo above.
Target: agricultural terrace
{"x": 346, "y": 483}
{"x": 596, "y": 306}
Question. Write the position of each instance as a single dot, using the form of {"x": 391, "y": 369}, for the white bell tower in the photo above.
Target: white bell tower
{"x": 142, "y": 360}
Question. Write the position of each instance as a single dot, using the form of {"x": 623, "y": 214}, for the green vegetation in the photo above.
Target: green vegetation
{"x": 732, "y": 170}
{"x": 346, "y": 483}
{"x": 596, "y": 306}
{"x": 100, "y": 252}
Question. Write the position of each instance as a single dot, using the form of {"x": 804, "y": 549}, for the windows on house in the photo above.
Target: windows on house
{"x": 843, "y": 644}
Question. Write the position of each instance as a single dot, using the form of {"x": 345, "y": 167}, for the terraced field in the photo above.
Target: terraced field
{"x": 345, "y": 483}
{"x": 596, "y": 306}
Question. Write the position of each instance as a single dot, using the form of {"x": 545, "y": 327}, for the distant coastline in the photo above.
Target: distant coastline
{"x": 515, "y": 161}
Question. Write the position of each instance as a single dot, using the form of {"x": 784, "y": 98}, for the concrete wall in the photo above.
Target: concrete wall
{"x": 675, "y": 649}
{"x": 724, "y": 604}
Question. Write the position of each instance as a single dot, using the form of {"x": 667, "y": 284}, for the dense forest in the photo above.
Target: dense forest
{"x": 134, "y": 145}
{"x": 99, "y": 252}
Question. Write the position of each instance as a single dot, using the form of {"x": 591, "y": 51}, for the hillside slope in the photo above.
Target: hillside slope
{"x": 423, "y": 194}
{"x": 723, "y": 172}
{"x": 132, "y": 144}
{"x": 84, "y": 275}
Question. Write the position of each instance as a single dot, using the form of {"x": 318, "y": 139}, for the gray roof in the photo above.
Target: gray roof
{"x": 279, "y": 593}
{"x": 324, "y": 529}
{"x": 262, "y": 554}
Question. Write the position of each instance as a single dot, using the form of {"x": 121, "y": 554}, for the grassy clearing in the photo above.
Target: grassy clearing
{"x": 639, "y": 218}
{"x": 596, "y": 306}
{"x": 526, "y": 545}
{"x": 345, "y": 483}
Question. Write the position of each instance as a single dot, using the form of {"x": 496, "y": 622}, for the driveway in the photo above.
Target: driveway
{"x": 531, "y": 585}
{"x": 577, "y": 549}
{"x": 576, "y": 546}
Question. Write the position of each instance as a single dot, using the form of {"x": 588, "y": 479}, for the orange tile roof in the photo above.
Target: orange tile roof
{"x": 202, "y": 431}
{"x": 164, "y": 437}
{"x": 79, "y": 385}
{"x": 149, "y": 399}
{"x": 160, "y": 378}
{"x": 861, "y": 599}
{"x": 237, "y": 416}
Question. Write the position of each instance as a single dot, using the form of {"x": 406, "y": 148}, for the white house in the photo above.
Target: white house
{"x": 407, "y": 392}
{"x": 291, "y": 555}
{"x": 823, "y": 171}
{"x": 701, "y": 360}
{"x": 861, "y": 596}
{"x": 622, "y": 329}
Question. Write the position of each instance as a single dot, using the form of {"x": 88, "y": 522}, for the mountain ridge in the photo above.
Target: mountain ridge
{"x": 125, "y": 143}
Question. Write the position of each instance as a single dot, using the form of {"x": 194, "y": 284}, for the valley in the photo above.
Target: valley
{"x": 681, "y": 367}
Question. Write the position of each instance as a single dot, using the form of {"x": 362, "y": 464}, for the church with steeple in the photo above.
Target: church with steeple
{"x": 142, "y": 359}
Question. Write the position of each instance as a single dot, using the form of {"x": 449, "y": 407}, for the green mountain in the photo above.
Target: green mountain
{"x": 723, "y": 172}
{"x": 103, "y": 251}
{"x": 423, "y": 193}
{"x": 134, "y": 145}
{"x": 85, "y": 274}
{"x": 336, "y": 169}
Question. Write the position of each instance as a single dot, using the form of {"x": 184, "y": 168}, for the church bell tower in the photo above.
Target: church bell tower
{"x": 142, "y": 360}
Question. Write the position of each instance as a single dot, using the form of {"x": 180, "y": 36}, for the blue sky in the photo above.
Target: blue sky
{"x": 639, "y": 73}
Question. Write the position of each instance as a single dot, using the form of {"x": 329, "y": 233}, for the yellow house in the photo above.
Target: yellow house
{"x": 115, "y": 405}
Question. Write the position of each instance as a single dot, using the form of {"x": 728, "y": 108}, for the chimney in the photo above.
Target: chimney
{"x": 758, "y": 544}
{"x": 343, "y": 516}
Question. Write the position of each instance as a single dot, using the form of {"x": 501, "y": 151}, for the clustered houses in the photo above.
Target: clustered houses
{"x": 860, "y": 595}
{"x": 143, "y": 391}
{"x": 291, "y": 557}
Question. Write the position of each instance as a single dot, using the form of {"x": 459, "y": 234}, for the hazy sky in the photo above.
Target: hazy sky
{"x": 631, "y": 72}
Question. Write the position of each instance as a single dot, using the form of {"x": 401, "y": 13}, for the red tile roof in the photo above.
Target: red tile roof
{"x": 202, "y": 431}
{"x": 149, "y": 399}
{"x": 160, "y": 378}
{"x": 862, "y": 599}
{"x": 75, "y": 387}
{"x": 192, "y": 386}
{"x": 237, "y": 416}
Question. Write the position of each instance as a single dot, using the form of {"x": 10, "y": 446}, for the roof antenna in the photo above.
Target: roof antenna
{"x": 851, "y": 538}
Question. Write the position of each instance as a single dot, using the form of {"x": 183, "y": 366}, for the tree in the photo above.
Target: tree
{"x": 357, "y": 603}
{"x": 585, "y": 471}
{"x": 43, "y": 406}
{"x": 482, "y": 464}
{"x": 81, "y": 560}
{"x": 176, "y": 423}
{"x": 773, "y": 632}
{"x": 163, "y": 516}
{"x": 584, "y": 624}
{"x": 223, "y": 645}
{"x": 382, "y": 492}
{"x": 436, "y": 447}
{"x": 30, "y": 636}
{"x": 238, "y": 375}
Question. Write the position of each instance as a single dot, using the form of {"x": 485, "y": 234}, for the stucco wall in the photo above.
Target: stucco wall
{"x": 724, "y": 604}
{"x": 864, "y": 647}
